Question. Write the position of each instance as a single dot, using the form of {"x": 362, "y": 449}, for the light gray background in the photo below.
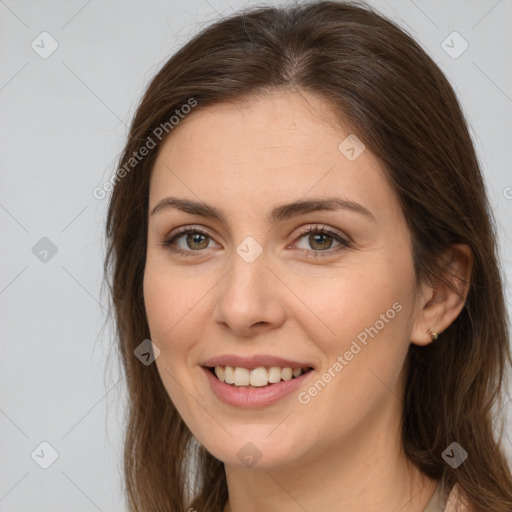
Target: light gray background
{"x": 63, "y": 124}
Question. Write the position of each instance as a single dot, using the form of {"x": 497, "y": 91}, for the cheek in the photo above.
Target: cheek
{"x": 160, "y": 301}
{"x": 169, "y": 296}
{"x": 354, "y": 300}
{"x": 169, "y": 300}
{"x": 364, "y": 336}
{"x": 361, "y": 375}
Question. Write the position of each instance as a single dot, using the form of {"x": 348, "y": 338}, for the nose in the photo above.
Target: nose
{"x": 250, "y": 298}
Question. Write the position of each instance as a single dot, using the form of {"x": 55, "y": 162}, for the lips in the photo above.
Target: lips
{"x": 255, "y": 361}
{"x": 252, "y": 381}
{"x": 247, "y": 397}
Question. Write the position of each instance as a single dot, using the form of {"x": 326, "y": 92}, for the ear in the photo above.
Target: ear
{"x": 439, "y": 304}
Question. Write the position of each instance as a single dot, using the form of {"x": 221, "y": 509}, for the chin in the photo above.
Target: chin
{"x": 256, "y": 452}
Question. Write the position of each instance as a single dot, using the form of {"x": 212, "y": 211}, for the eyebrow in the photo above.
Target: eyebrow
{"x": 277, "y": 214}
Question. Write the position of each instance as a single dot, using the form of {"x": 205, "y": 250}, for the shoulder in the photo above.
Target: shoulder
{"x": 455, "y": 501}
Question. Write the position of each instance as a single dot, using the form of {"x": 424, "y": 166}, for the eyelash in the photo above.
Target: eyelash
{"x": 168, "y": 242}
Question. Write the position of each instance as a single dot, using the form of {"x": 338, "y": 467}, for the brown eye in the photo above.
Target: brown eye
{"x": 319, "y": 240}
{"x": 188, "y": 241}
{"x": 193, "y": 241}
{"x": 196, "y": 241}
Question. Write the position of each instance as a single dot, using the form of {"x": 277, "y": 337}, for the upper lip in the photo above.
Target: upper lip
{"x": 254, "y": 362}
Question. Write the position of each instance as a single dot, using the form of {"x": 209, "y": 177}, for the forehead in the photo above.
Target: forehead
{"x": 271, "y": 148}
{"x": 277, "y": 126}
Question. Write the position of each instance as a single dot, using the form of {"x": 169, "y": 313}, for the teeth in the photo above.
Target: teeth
{"x": 219, "y": 371}
{"x": 256, "y": 377}
{"x": 286, "y": 374}
{"x": 229, "y": 375}
{"x": 274, "y": 374}
{"x": 241, "y": 376}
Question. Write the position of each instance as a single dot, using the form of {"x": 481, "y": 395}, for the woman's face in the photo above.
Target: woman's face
{"x": 254, "y": 281}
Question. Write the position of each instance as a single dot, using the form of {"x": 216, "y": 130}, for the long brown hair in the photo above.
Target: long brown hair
{"x": 399, "y": 103}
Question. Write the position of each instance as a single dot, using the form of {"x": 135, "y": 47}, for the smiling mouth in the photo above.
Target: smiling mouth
{"x": 256, "y": 377}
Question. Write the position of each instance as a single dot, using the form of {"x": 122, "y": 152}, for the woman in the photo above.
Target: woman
{"x": 300, "y": 227}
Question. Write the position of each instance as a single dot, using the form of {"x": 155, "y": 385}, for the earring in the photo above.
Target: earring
{"x": 433, "y": 335}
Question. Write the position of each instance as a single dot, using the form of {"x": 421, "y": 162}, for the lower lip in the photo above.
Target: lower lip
{"x": 254, "y": 397}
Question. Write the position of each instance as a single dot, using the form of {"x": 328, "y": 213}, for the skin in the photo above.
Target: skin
{"x": 342, "y": 450}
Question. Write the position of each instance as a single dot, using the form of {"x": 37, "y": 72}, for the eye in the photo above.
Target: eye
{"x": 194, "y": 240}
{"x": 321, "y": 240}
